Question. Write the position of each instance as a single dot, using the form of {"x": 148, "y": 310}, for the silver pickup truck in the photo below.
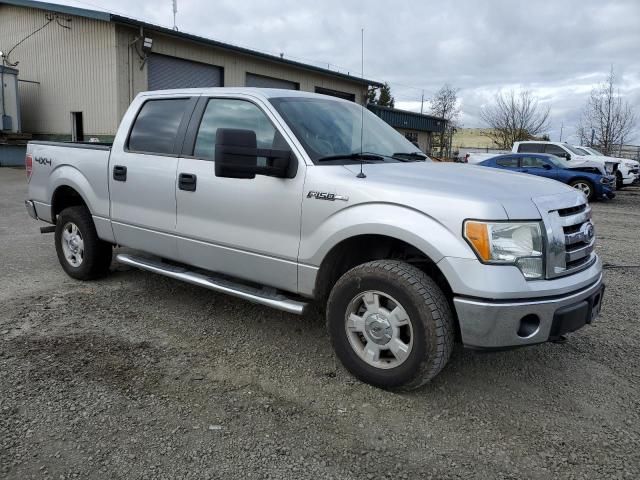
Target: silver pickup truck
{"x": 285, "y": 198}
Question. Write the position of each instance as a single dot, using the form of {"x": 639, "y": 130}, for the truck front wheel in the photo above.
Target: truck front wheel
{"x": 390, "y": 324}
{"x": 80, "y": 252}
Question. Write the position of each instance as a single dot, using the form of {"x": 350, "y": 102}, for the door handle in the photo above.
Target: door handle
{"x": 120, "y": 173}
{"x": 187, "y": 181}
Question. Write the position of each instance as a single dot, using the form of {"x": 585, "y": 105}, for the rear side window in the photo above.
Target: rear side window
{"x": 156, "y": 127}
{"x": 508, "y": 162}
{"x": 530, "y": 148}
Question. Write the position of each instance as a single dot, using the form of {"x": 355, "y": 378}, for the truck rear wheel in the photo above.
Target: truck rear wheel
{"x": 80, "y": 252}
{"x": 390, "y": 324}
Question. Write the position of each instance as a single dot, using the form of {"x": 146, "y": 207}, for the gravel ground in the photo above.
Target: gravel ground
{"x": 139, "y": 376}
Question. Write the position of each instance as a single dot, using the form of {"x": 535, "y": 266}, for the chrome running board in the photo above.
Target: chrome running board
{"x": 268, "y": 297}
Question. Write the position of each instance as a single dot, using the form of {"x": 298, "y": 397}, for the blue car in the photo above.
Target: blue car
{"x": 593, "y": 185}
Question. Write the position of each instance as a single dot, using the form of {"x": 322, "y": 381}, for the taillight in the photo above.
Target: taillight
{"x": 28, "y": 163}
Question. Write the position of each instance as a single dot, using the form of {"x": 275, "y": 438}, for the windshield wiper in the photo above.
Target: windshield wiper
{"x": 352, "y": 156}
{"x": 417, "y": 155}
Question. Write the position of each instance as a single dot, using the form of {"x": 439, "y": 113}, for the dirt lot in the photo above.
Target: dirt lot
{"x": 138, "y": 376}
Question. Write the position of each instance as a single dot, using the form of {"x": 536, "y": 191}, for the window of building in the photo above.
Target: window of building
{"x": 156, "y": 126}
{"x": 233, "y": 113}
{"x": 411, "y": 136}
{"x": 262, "y": 81}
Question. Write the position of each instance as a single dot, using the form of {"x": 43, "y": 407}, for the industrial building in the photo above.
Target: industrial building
{"x": 78, "y": 70}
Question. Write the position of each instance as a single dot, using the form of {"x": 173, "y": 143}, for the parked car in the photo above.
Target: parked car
{"x": 593, "y": 185}
{"x": 570, "y": 153}
{"x": 474, "y": 158}
{"x": 285, "y": 198}
{"x": 628, "y": 171}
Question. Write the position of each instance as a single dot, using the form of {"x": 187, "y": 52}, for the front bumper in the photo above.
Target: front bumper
{"x": 494, "y": 324}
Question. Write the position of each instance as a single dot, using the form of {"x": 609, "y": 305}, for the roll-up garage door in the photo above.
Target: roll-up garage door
{"x": 261, "y": 81}
{"x": 169, "y": 72}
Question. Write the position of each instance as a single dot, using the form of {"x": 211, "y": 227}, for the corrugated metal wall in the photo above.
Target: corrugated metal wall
{"x": 76, "y": 69}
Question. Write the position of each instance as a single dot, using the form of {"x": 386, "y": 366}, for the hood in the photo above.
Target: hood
{"x": 590, "y": 162}
{"x": 483, "y": 192}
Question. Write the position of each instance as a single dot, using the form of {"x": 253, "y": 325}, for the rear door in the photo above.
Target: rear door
{"x": 142, "y": 174}
{"x": 248, "y": 228}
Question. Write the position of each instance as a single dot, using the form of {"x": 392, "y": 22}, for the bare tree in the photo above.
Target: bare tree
{"x": 515, "y": 116}
{"x": 607, "y": 120}
{"x": 444, "y": 104}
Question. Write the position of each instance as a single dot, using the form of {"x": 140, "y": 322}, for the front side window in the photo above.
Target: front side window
{"x": 234, "y": 113}
{"x": 555, "y": 150}
{"x": 533, "y": 162}
{"x": 332, "y": 128}
{"x": 508, "y": 162}
{"x": 156, "y": 127}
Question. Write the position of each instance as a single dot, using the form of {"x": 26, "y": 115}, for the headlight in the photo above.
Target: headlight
{"x": 508, "y": 243}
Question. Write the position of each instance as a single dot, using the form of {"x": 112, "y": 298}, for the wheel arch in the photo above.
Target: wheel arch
{"x": 358, "y": 249}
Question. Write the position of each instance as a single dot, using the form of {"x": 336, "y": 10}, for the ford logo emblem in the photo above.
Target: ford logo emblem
{"x": 588, "y": 232}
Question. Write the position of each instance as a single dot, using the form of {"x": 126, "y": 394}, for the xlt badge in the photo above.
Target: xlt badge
{"x": 326, "y": 196}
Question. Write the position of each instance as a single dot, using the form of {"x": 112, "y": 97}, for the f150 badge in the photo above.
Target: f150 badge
{"x": 326, "y": 196}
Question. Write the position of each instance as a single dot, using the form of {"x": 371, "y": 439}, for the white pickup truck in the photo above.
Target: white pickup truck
{"x": 628, "y": 171}
{"x": 284, "y": 198}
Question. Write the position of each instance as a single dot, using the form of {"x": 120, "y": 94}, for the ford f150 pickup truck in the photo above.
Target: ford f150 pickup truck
{"x": 284, "y": 198}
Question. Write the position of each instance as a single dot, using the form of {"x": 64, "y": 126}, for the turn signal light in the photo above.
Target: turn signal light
{"x": 28, "y": 163}
{"x": 478, "y": 235}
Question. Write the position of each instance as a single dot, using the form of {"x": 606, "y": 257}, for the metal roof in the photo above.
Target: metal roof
{"x": 408, "y": 120}
{"x": 110, "y": 17}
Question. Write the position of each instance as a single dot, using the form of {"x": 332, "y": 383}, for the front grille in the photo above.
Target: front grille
{"x": 570, "y": 238}
{"x": 579, "y": 239}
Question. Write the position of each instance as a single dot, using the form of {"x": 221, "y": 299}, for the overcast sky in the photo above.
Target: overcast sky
{"x": 558, "y": 49}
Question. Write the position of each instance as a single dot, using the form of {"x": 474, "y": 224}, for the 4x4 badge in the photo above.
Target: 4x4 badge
{"x": 326, "y": 196}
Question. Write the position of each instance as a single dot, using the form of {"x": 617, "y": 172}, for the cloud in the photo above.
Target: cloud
{"x": 559, "y": 50}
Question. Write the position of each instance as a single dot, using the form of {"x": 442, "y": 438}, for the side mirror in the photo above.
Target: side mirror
{"x": 567, "y": 156}
{"x": 546, "y": 166}
{"x": 237, "y": 156}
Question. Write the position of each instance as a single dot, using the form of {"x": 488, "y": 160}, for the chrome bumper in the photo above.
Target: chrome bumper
{"x": 31, "y": 209}
{"x": 503, "y": 323}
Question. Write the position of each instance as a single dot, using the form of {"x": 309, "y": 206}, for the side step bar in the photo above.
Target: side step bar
{"x": 267, "y": 297}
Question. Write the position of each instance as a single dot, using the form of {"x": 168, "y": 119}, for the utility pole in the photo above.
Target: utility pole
{"x": 561, "y": 129}
{"x": 422, "y": 103}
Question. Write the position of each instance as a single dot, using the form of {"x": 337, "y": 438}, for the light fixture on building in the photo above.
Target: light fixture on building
{"x": 147, "y": 43}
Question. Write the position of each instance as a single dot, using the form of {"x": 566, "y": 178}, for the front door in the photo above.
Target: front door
{"x": 142, "y": 177}
{"x": 247, "y": 228}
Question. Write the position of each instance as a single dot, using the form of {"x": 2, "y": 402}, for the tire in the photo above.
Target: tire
{"x": 427, "y": 332}
{"x": 585, "y": 186}
{"x": 619, "y": 180}
{"x": 81, "y": 253}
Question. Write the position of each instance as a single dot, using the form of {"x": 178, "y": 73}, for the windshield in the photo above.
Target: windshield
{"x": 574, "y": 150}
{"x": 592, "y": 151}
{"x": 329, "y": 129}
